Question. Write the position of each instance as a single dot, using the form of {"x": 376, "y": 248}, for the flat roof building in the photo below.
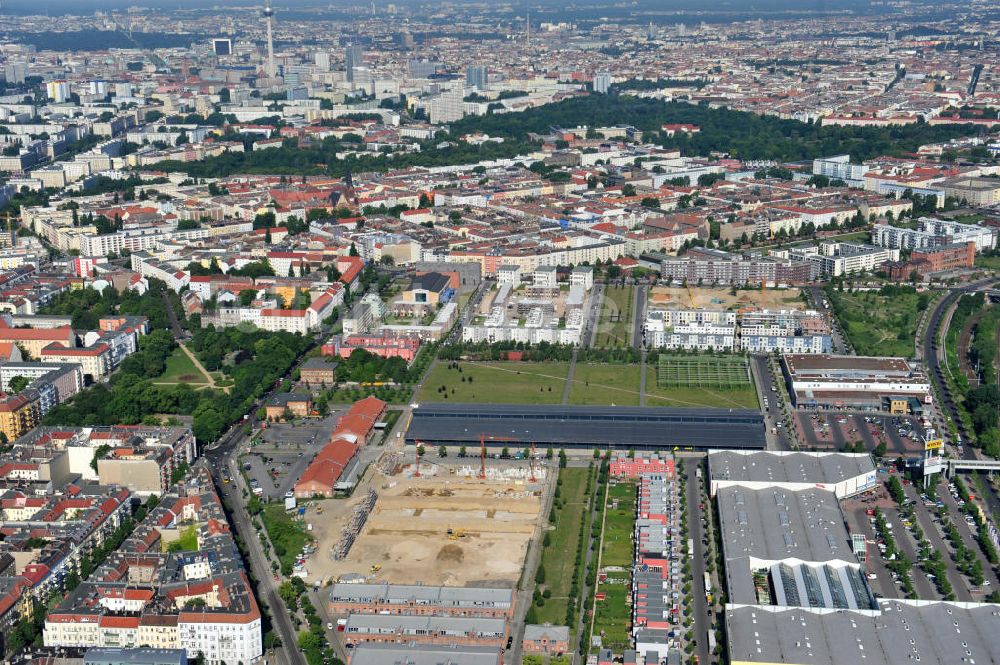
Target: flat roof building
{"x": 844, "y": 474}
{"x": 850, "y": 382}
{"x": 112, "y": 656}
{"x": 586, "y": 426}
{"x": 424, "y": 654}
{"x": 905, "y": 631}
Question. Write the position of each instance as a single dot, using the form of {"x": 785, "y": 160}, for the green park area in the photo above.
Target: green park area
{"x": 880, "y": 323}
{"x": 557, "y": 572}
{"x": 597, "y": 384}
{"x": 612, "y": 612}
{"x": 603, "y": 384}
{"x": 614, "y": 327}
{"x": 180, "y": 369}
{"x": 495, "y": 382}
{"x": 286, "y": 534}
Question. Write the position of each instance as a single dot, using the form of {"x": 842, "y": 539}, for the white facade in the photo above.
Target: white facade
{"x": 840, "y": 167}
{"x": 934, "y": 233}
{"x": 222, "y": 642}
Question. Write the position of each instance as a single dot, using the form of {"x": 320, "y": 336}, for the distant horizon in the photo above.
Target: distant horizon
{"x": 641, "y": 10}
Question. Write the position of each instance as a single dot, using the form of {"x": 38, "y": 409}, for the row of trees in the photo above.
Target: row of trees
{"x": 741, "y": 134}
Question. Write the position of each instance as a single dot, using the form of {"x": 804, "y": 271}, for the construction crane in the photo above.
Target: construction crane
{"x": 532, "y": 461}
{"x": 482, "y": 457}
{"x": 416, "y": 453}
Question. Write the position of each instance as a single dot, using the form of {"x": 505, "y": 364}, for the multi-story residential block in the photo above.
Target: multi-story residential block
{"x": 934, "y": 233}
{"x": 834, "y": 259}
{"x": 200, "y": 601}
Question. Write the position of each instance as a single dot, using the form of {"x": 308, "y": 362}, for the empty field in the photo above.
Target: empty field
{"x": 687, "y": 371}
{"x": 614, "y": 328}
{"x": 559, "y": 556}
{"x": 495, "y": 382}
{"x": 406, "y": 535}
{"x": 678, "y": 297}
{"x": 180, "y": 369}
{"x": 619, "y": 520}
{"x": 880, "y": 323}
{"x": 605, "y": 385}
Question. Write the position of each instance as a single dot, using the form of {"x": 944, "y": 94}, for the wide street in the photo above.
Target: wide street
{"x": 699, "y": 604}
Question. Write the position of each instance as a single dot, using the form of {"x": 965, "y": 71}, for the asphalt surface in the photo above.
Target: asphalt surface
{"x": 840, "y": 345}
{"x": 638, "y": 315}
{"x": 932, "y": 354}
{"x": 781, "y": 439}
{"x": 696, "y": 532}
{"x": 590, "y": 320}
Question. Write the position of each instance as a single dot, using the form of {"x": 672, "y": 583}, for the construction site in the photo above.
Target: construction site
{"x": 668, "y": 297}
{"x": 441, "y": 522}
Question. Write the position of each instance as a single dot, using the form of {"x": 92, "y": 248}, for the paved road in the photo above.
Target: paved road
{"x": 840, "y": 344}
{"x": 638, "y": 315}
{"x": 883, "y": 585}
{"x": 702, "y": 624}
{"x": 593, "y": 313}
{"x": 932, "y": 357}
{"x": 222, "y": 457}
{"x": 783, "y": 439}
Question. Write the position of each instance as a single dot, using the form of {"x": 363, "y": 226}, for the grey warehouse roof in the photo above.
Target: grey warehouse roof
{"x": 100, "y": 655}
{"x": 586, "y": 426}
{"x": 787, "y": 467}
{"x": 773, "y": 525}
{"x": 412, "y": 593}
{"x": 369, "y": 653}
{"x": 424, "y": 625}
{"x": 937, "y": 633}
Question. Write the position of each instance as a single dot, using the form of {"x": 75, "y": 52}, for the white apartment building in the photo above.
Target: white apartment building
{"x": 841, "y": 258}
{"x": 693, "y": 329}
{"x": 840, "y": 167}
{"x": 934, "y": 233}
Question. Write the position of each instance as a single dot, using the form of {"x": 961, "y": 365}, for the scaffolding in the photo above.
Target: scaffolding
{"x": 354, "y": 525}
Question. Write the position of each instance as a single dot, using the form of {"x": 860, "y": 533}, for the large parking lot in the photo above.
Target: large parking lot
{"x": 918, "y": 528}
{"x": 282, "y": 451}
{"x": 828, "y": 431}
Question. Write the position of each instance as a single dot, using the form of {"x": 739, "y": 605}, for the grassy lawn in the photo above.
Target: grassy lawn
{"x": 988, "y": 262}
{"x": 180, "y": 369}
{"x": 615, "y": 325}
{"x": 619, "y": 522}
{"x": 741, "y": 398}
{"x": 559, "y": 556}
{"x": 496, "y": 382}
{"x": 880, "y": 324}
{"x": 188, "y": 541}
{"x": 612, "y": 615}
{"x": 605, "y": 385}
{"x": 286, "y": 534}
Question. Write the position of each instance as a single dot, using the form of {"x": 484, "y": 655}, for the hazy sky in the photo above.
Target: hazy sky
{"x": 740, "y": 6}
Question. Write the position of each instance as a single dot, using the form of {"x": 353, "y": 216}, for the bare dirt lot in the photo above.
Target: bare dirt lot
{"x": 671, "y": 297}
{"x": 407, "y": 532}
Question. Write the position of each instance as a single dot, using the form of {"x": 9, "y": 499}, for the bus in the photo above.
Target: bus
{"x": 708, "y": 588}
{"x": 690, "y": 547}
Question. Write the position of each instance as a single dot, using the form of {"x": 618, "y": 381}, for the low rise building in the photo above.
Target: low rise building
{"x": 851, "y": 382}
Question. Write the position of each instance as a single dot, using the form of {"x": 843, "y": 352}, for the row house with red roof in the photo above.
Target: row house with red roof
{"x": 350, "y": 434}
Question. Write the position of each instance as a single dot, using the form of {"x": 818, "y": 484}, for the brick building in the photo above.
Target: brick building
{"x": 955, "y": 256}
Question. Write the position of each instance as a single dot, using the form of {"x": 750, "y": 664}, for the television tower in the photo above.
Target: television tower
{"x": 269, "y": 15}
